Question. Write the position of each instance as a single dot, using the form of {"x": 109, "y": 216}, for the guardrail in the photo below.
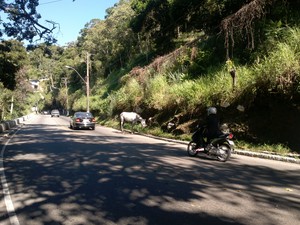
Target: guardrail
{"x": 7, "y": 125}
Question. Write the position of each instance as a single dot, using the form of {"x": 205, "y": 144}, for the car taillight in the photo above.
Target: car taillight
{"x": 93, "y": 120}
{"x": 78, "y": 120}
{"x": 230, "y": 136}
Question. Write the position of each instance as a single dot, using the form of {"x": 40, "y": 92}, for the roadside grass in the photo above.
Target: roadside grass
{"x": 279, "y": 149}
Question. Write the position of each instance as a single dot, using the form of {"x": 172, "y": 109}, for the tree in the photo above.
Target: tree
{"x": 5, "y": 97}
{"x": 23, "y": 21}
{"x": 12, "y": 57}
{"x": 243, "y": 21}
{"x": 152, "y": 20}
{"x": 111, "y": 41}
{"x": 246, "y": 26}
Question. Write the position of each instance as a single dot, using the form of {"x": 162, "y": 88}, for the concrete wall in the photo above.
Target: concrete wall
{"x": 7, "y": 125}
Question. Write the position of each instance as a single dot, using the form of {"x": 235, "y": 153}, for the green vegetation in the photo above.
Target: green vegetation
{"x": 273, "y": 148}
{"x": 20, "y": 20}
{"x": 144, "y": 60}
{"x": 277, "y": 73}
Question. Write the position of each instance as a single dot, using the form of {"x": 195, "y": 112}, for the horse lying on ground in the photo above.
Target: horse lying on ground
{"x": 131, "y": 117}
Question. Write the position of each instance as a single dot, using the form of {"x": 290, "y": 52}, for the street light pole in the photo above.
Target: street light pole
{"x": 87, "y": 83}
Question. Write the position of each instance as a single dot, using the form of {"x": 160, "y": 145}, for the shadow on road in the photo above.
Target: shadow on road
{"x": 57, "y": 178}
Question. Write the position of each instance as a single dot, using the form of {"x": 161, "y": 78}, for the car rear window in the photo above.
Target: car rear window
{"x": 83, "y": 114}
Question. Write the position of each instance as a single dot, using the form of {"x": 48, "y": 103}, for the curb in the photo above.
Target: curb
{"x": 267, "y": 156}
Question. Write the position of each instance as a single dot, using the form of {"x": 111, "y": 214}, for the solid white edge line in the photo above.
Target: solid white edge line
{"x": 7, "y": 199}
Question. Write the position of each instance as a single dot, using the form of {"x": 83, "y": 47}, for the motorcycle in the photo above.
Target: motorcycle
{"x": 219, "y": 148}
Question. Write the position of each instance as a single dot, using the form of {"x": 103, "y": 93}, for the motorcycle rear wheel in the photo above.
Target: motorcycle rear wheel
{"x": 225, "y": 153}
{"x": 191, "y": 149}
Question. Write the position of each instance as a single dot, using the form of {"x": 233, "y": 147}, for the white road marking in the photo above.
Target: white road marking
{"x": 7, "y": 199}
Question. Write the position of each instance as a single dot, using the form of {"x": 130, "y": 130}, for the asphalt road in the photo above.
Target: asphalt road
{"x": 51, "y": 174}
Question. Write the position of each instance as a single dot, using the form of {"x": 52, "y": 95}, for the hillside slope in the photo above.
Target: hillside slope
{"x": 267, "y": 89}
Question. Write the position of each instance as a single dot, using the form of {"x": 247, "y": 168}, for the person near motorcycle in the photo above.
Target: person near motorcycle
{"x": 209, "y": 130}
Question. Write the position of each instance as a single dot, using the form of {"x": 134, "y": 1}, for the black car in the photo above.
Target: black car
{"x": 82, "y": 120}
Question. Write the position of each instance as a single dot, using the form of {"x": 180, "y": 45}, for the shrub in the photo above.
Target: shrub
{"x": 157, "y": 92}
{"x": 128, "y": 97}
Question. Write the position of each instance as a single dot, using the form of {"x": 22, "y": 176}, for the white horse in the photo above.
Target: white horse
{"x": 132, "y": 118}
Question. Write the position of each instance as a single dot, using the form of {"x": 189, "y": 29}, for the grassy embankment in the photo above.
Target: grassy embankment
{"x": 165, "y": 88}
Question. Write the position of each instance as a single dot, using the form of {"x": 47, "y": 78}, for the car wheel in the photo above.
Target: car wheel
{"x": 93, "y": 128}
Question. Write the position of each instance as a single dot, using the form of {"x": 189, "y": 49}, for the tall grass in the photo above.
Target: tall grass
{"x": 156, "y": 92}
{"x": 128, "y": 97}
{"x": 162, "y": 90}
{"x": 280, "y": 69}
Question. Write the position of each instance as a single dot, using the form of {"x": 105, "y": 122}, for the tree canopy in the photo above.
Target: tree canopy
{"x": 20, "y": 20}
{"x": 196, "y": 35}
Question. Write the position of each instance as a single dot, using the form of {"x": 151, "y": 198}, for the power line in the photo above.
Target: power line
{"x": 50, "y": 2}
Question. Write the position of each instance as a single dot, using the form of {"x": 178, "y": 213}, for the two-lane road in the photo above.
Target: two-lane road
{"x": 51, "y": 174}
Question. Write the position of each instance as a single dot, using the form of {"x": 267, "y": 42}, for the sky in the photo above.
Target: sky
{"x": 72, "y": 16}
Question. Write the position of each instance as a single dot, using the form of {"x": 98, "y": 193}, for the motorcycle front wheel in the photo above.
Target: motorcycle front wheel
{"x": 191, "y": 149}
{"x": 224, "y": 153}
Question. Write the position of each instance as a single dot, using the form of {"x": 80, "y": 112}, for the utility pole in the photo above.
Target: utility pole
{"x": 65, "y": 79}
{"x": 88, "y": 81}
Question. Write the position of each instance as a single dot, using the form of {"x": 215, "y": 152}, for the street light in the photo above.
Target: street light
{"x": 87, "y": 83}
